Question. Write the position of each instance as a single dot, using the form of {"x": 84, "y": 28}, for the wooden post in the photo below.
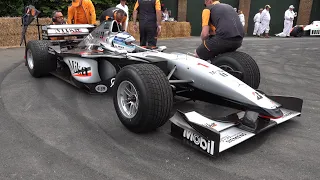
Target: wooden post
{"x": 182, "y": 10}
{"x": 244, "y": 6}
{"x": 304, "y": 12}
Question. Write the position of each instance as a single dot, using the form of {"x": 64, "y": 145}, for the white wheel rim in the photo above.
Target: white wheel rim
{"x": 128, "y": 101}
{"x": 30, "y": 59}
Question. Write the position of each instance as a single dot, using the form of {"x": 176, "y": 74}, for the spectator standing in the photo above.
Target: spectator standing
{"x": 288, "y": 20}
{"x": 122, "y": 5}
{"x": 166, "y": 15}
{"x": 81, "y": 12}
{"x": 150, "y": 16}
{"x": 242, "y": 19}
{"x": 256, "y": 21}
{"x": 265, "y": 19}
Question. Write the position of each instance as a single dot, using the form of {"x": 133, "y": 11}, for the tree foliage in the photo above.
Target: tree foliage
{"x": 14, "y": 8}
{"x": 11, "y": 8}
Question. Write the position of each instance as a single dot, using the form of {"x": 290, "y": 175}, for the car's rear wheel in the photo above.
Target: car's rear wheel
{"x": 241, "y": 65}
{"x": 142, "y": 97}
{"x": 39, "y": 62}
{"x": 297, "y": 31}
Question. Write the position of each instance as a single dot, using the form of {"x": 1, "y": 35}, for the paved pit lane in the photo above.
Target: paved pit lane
{"x": 51, "y": 130}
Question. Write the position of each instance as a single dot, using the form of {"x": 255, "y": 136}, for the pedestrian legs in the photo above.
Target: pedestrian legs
{"x": 256, "y": 28}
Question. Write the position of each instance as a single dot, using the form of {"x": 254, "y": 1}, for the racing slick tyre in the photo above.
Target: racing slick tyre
{"x": 39, "y": 62}
{"x": 240, "y": 62}
{"x": 143, "y": 98}
{"x": 297, "y": 32}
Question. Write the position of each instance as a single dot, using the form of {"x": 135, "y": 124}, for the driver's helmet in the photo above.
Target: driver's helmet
{"x": 124, "y": 41}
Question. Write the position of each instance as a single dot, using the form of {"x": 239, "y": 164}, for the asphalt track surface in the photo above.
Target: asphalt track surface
{"x": 51, "y": 130}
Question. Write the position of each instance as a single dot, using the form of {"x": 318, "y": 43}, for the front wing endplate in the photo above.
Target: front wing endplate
{"x": 212, "y": 137}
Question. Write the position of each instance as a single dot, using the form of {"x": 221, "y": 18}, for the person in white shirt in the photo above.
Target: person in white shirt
{"x": 289, "y": 16}
{"x": 265, "y": 19}
{"x": 124, "y": 7}
{"x": 242, "y": 19}
{"x": 256, "y": 21}
{"x": 166, "y": 15}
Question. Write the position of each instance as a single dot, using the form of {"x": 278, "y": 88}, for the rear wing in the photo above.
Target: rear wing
{"x": 66, "y": 30}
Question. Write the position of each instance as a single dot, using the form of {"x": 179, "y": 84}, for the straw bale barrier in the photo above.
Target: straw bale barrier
{"x": 10, "y": 34}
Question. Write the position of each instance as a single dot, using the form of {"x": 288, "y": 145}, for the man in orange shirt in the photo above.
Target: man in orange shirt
{"x": 81, "y": 12}
{"x": 222, "y": 30}
{"x": 150, "y": 16}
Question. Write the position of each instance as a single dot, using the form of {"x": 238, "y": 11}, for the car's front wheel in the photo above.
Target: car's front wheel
{"x": 142, "y": 97}
{"x": 242, "y": 63}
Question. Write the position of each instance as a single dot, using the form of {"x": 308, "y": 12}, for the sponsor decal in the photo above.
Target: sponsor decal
{"x": 119, "y": 39}
{"x": 258, "y": 95}
{"x": 287, "y": 113}
{"x": 224, "y": 74}
{"x": 315, "y": 31}
{"x": 210, "y": 125}
{"x": 118, "y": 46}
{"x": 101, "y": 88}
{"x": 200, "y": 64}
{"x": 79, "y": 71}
{"x": 112, "y": 82}
{"x": 220, "y": 72}
{"x": 62, "y": 31}
{"x": 238, "y": 83}
{"x": 212, "y": 72}
{"x": 230, "y": 139}
{"x": 204, "y": 144}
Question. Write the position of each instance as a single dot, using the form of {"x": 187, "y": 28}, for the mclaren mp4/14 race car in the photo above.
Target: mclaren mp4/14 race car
{"x": 145, "y": 81}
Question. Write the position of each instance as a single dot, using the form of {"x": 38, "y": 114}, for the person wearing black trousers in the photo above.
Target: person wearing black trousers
{"x": 149, "y": 21}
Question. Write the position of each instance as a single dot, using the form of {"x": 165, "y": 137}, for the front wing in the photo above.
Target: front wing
{"x": 213, "y": 136}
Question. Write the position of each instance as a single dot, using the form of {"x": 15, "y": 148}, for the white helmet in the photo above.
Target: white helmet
{"x": 124, "y": 41}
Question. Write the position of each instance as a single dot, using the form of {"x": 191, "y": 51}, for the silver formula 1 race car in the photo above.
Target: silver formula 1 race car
{"x": 145, "y": 81}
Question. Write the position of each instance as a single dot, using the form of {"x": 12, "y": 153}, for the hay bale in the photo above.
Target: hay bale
{"x": 168, "y": 30}
{"x": 13, "y": 25}
{"x": 10, "y": 26}
{"x": 12, "y": 35}
{"x": 14, "y": 40}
